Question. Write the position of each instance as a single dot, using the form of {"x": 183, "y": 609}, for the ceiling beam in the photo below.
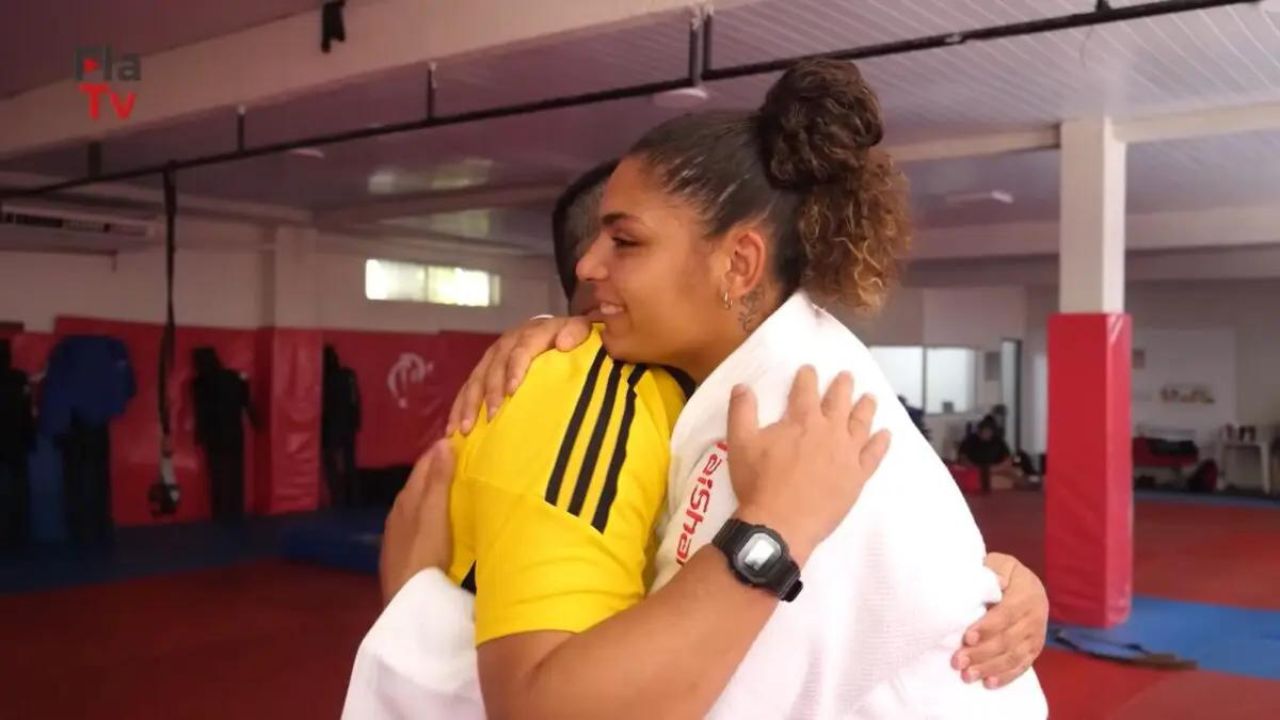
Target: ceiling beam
{"x": 977, "y": 145}
{"x": 1221, "y": 227}
{"x": 1200, "y": 123}
{"x": 131, "y": 196}
{"x": 124, "y": 195}
{"x": 1215, "y": 264}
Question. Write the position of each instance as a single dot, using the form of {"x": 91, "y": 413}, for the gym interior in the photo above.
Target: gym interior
{"x": 251, "y": 250}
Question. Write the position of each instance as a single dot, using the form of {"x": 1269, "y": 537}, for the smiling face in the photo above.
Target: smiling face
{"x": 658, "y": 280}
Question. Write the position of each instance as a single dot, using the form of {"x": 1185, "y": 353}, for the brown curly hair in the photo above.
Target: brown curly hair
{"x": 806, "y": 165}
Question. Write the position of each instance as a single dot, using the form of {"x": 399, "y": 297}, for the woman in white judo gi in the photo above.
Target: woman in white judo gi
{"x": 720, "y": 232}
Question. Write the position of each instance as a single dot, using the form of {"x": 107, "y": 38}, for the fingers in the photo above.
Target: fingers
{"x": 744, "y": 421}
{"x": 985, "y": 642}
{"x": 495, "y": 376}
{"x": 839, "y": 397}
{"x": 439, "y": 466}
{"x": 1003, "y": 566}
{"x": 433, "y": 508}
{"x": 864, "y": 413}
{"x": 537, "y": 337}
{"x": 466, "y": 406}
{"x": 1008, "y": 664}
{"x": 517, "y": 365}
{"x": 1023, "y": 658}
{"x": 873, "y": 452}
{"x": 803, "y": 400}
{"x": 575, "y": 332}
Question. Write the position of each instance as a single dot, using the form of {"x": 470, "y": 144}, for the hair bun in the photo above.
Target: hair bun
{"x": 817, "y": 123}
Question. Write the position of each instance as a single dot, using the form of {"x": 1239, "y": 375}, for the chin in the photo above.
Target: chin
{"x": 617, "y": 345}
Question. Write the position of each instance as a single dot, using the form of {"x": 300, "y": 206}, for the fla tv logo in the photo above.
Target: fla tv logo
{"x": 99, "y": 71}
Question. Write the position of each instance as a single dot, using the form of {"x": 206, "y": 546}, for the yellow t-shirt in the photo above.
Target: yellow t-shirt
{"x": 554, "y": 502}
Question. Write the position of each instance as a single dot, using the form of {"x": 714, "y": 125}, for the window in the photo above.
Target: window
{"x": 904, "y": 368}
{"x": 950, "y": 376}
{"x": 941, "y": 380}
{"x": 438, "y": 284}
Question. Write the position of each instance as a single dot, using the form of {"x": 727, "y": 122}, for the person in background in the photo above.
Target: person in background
{"x": 17, "y": 438}
{"x": 339, "y": 426}
{"x": 917, "y": 416}
{"x": 986, "y": 449}
{"x": 222, "y": 404}
{"x": 1021, "y": 460}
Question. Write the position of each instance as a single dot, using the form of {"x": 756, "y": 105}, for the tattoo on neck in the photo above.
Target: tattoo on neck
{"x": 748, "y": 316}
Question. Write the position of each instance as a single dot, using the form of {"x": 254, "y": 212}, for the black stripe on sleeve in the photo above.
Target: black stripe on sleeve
{"x": 592, "y": 454}
{"x": 571, "y": 434}
{"x": 610, "y": 490}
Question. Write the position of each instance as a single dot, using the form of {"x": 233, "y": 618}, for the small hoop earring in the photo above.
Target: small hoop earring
{"x": 728, "y": 304}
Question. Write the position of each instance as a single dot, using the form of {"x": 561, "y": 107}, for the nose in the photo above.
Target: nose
{"x": 591, "y": 267}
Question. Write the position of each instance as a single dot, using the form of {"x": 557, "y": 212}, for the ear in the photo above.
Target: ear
{"x": 747, "y": 268}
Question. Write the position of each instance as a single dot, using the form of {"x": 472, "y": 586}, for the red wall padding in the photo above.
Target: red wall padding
{"x": 135, "y": 436}
{"x": 405, "y": 406}
{"x": 1089, "y": 485}
{"x": 31, "y": 353}
{"x": 459, "y": 353}
{"x": 399, "y": 399}
{"x": 290, "y": 362}
{"x": 407, "y": 383}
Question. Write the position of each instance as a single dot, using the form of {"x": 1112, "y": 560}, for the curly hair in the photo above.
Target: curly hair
{"x": 806, "y": 165}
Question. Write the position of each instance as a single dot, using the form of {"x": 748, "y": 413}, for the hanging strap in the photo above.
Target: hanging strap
{"x": 168, "y": 340}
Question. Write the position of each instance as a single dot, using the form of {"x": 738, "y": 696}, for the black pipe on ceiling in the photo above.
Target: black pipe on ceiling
{"x": 1101, "y": 15}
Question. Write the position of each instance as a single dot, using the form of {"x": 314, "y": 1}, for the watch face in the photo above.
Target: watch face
{"x": 758, "y": 555}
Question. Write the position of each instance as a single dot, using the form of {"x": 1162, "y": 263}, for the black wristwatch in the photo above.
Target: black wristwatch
{"x": 759, "y": 557}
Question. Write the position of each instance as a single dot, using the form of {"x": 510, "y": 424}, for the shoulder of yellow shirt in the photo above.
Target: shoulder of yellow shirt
{"x": 559, "y": 402}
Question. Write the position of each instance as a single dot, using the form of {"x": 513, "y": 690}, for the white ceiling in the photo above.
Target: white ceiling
{"x": 1179, "y": 63}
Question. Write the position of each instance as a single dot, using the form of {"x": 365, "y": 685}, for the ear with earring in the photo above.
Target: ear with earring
{"x": 728, "y": 304}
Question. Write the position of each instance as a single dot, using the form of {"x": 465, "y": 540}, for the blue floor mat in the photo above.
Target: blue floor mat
{"x": 325, "y": 537}
{"x": 1218, "y": 637}
{"x": 350, "y": 541}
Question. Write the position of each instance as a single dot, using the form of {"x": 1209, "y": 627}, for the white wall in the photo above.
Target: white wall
{"x": 211, "y": 289}
{"x": 968, "y": 317}
{"x": 230, "y": 278}
{"x": 899, "y": 322}
{"x": 1247, "y": 311}
{"x": 1203, "y": 357}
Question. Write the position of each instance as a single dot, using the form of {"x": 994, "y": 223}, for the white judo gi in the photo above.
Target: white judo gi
{"x": 887, "y": 596}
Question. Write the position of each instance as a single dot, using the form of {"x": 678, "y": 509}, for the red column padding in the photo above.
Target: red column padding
{"x": 1089, "y": 482}
{"x": 135, "y": 435}
{"x": 290, "y": 455}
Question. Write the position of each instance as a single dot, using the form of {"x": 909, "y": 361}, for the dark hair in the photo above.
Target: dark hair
{"x": 804, "y": 164}
{"x": 575, "y": 221}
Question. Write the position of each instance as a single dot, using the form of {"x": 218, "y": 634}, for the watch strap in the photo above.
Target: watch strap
{"x": 785, "y": 583}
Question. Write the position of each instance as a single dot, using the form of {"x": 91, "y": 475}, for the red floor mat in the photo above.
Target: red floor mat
{"x": 1081, "y": 688}
{"x": 1199, "y": 553}
{"x": 274, "y": 640}
{"x": 268, "y": 640}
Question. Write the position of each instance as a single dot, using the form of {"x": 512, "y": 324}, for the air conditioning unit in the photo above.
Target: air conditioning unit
{"x": 41, "y": 228}
{"x": 78, "y": 220}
